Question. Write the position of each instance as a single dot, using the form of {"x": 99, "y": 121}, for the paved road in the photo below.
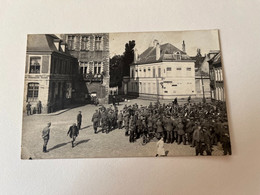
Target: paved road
{"x": 88, "y": 144}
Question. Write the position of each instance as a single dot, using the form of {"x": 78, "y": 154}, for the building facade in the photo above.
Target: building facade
{"x": 50, "y": 73}
{"x": 216, "y": 78}
{"x": 163, "y": 72}
{"x": 92, "y": 52}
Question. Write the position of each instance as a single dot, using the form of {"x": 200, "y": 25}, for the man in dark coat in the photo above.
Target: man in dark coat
{"x": 104, "y": 121}
{"x": 46, "y": 136}
{"x": 95, "y": 119}
{"x": 39, "y": 107}
{"x": 181, "y": 133}
{"x": 28, "y": 109}
{"x": 73, "y": 132}
{"x": 120, "y": 120}
{"x": 79, "y": 120}
{"x": 169, "y": 128}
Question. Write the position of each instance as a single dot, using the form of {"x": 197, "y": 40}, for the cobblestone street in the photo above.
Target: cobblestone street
{"x": 88, "y": 144}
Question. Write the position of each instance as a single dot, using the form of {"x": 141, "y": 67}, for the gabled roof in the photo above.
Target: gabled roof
{"x": 167, "y": 52}
{"x": 40, "y": 42}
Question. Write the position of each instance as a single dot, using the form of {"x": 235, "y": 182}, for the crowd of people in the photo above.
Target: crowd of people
{"x": 201, "y": 125}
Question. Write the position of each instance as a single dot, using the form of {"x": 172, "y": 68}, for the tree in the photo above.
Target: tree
{"x": 120, "y": 65}
{"x": 116, "y": 71}
{"x": 128, "y": 57}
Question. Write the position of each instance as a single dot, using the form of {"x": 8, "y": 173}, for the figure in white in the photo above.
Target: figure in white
{"x": 160, "y": 148}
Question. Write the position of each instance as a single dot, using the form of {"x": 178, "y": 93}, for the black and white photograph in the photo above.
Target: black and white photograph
{"x": 139, "y": 94}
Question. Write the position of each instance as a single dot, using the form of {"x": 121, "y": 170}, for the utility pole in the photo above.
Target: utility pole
{"x": 203, "y": 92}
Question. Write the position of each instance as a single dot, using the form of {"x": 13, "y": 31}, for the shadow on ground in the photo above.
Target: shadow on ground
{"x": 58, "y": 146}
{"x": 85, "y": 127}
{"x": 82, "y": 141}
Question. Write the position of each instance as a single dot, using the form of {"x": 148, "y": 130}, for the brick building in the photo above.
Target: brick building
{"x": 50, "y": 73}
{"x": 92, "y": 52}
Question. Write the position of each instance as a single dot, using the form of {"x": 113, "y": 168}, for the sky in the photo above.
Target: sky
{"x": 205, "y": 40}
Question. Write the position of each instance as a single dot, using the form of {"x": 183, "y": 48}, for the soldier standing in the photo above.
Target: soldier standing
{"x": 95, "y": 119}
{"x": 39, "y": 107}
{"x": 73, "y": 132}
{"x": 46, "y": 136}
{"x": 120, "y": 120}
{"x": 104, "y": 121}
{"x": 132, "y": 129}
{"x": 79, "y": 120}
{"x": 28, "y": 109}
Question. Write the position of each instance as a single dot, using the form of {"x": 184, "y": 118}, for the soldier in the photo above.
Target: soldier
{"x": 79, "y": 120}
{"x": 131, "y": 129}
{"x": 39, "y": 107}
{"x": 104, "y": 121}
{"x": 46, "y": 136}
{"x": 126, "y": 123}
{"x": 189, "y": 130}
{"x": 95, "y": 119}
{"x": 159, "y": 128}
{"x": 181, "y": 133}
{"x": 225, "y": 140}
{"x": 138, "y": 126}
{"x": 73, "y": 132}
{"x": 28, "y": 109}
{"x": 120, "y": 120}
{"x": 169, "y": 128}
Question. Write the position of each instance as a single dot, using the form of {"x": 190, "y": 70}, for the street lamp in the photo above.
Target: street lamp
{"x": 202, "y": 83}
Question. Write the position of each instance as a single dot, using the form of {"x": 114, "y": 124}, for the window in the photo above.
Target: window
{"x": 97, "y": 68}
{"x": 35, "y": 65}
{"x": 33, "y": 91}
{"x": 188, "y": 69}
{"x": 84, "y": 43}
{"x": 178, "y": 56}
{"x": 178, "y": 68}
{"x": 153, "y": 72}
{"x": 159, "y": 72}
{"x": 169, "y": 69}
{"x": 98, "y": 40}
{"x": 71, "y": 44}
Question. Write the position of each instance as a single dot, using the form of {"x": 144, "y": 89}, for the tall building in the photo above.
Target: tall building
{"x": 50, "y": 73}
{"x": 216, "y": 78}
{"x": 92, "y": 52}
{"x": 162, "y": 71}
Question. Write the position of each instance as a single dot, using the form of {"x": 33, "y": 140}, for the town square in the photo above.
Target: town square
{"x": 154, "y": 94}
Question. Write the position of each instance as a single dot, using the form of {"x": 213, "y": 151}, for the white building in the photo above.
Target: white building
{"x": 162, "y": 71}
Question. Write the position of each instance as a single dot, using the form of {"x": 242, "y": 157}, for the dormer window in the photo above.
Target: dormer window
{"x": 178, "y": 55}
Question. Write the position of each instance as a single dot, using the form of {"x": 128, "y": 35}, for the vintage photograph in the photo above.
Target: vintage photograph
{"x": 136, "y": 94}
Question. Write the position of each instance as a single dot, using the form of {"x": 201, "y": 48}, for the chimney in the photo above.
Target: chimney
{"x": 183, "y": 46}
{"x": 158, "y": 52}
{"x": 135, "y": 55}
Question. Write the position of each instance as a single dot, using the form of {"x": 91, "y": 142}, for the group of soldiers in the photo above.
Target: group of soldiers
{"x": 201, "y": 125}
{"x": 35, "y": 110}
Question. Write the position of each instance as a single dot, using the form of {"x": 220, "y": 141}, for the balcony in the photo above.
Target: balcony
{"x": 93, "y": 77}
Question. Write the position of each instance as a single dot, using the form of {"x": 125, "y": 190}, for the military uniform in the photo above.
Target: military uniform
{"x": 95, "y": 119}
{"x": 79, "y": 120}
{"x": 28, "y": 109}
{"x": 46, "y": 137}
{"x": 120, "y": 120}
{"x": 73, "y": 132}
